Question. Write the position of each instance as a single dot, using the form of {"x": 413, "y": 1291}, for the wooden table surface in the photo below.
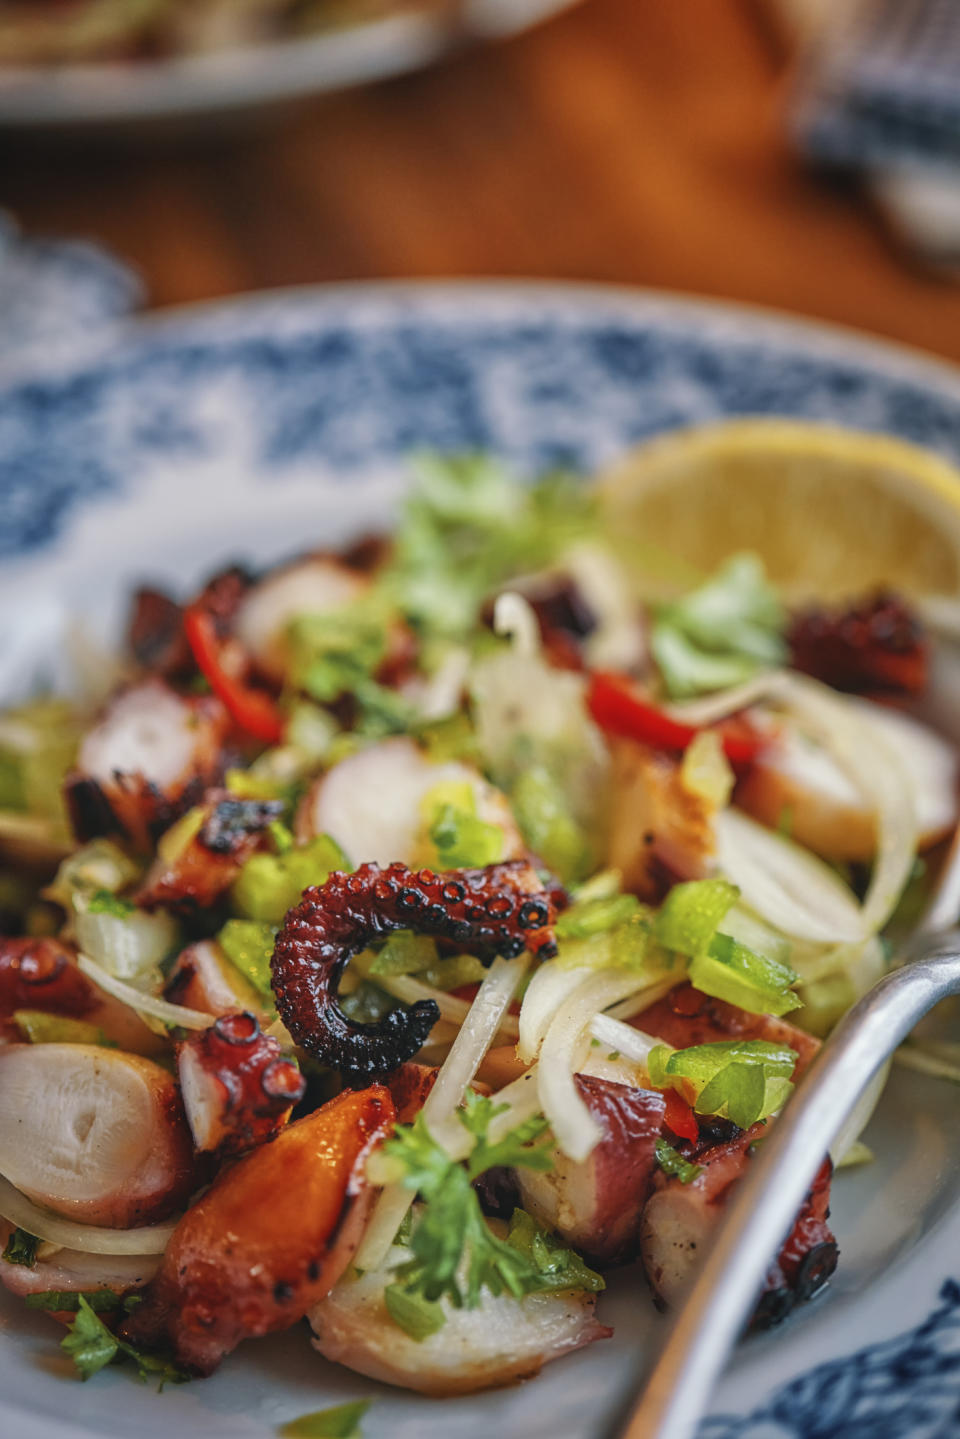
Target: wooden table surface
{"x": 630, "y": 141}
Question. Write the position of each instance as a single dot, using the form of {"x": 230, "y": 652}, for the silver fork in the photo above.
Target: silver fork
{"x": 713, "y": 1315}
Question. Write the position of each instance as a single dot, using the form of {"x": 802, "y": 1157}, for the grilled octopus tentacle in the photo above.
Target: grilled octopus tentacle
{"x": 238, "y": 1088}
{"x": 502, "y": 909}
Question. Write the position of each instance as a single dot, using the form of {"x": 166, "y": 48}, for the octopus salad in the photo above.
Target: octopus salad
{"x": 409, "y": 935}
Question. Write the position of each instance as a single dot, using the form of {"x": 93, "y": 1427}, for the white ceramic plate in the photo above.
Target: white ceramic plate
{"x": 255, "y": 428}
{"x": 240, "y": 81}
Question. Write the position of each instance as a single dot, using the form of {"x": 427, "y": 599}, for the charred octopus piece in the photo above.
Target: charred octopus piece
{"x": 231, "y": 831}
{"x": 875, "y": 647}
{"x": 269, "y": 1238}
{"x": 150, "y": 757}
{"x": 502, "y": 909}
{"x": 238, "y": 1089}
{"x": 42, "y": 974}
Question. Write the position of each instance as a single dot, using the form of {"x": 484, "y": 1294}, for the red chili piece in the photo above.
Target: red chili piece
{"x": 252, "y": 709}
{"x": 336, "y": 920}
{"x": 619, "y": 706}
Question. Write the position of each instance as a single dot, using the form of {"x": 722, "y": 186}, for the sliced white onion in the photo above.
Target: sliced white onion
{"x": 874, "y": 766}
{"x": 451, "y": 1007}
{"x": 622, "y": 1038}
{"x": 562, "y": 1053}
{"x": 858, "y": 1120}
{"x": 724, "y": 703}
{"x": 21, "y": 1211}
{"x": 130, "y": 946}
{"x": 476, "y": 1035}
{"x": 479, "y": 1029}
{"x": 786, "y": 885}
{"x": 146, "y": 1004}
{"x": 637, "y": 1003}
{"x": 550, "y": 987}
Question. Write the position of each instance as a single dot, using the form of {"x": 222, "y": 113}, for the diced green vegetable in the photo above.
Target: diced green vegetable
{"x": 405, "y": 953}
{"x": 732, "y": 972}
{"x": 270, "y": 884}
{"x": 691, "y": 912}
{"x": 451, "y": 738}
{"x": 543, "y": 814}
{"x": 461, "y": 839}
{"x": 129, "y": 943}
{"x": 586, "y": 918}
{"x": 416, "y": 1316}
{"x": 740, "y": 1080}
{"x": 674, "y": 1164}
{"x": 38, "y": 744}
{"x": 249, "y": 944}
{"x": 38, "y": 1027}
{"x": 342, "y": 1421}
{"x": 721, "y": 632}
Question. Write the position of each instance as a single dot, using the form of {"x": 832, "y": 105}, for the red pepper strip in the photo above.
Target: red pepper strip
{"x": 252, "y": 709}
{"x": 679, "y": 1117}
{"x": 620, "y": 707}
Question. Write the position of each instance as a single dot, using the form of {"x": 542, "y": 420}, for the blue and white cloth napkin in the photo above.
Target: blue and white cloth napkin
{"x": 879, "y": 95}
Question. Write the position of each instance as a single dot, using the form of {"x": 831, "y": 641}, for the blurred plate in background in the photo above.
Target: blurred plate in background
{"x": 242, "y": 79}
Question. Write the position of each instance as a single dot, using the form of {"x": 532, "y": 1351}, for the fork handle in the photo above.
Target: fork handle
{"x": 722, "y": 1298}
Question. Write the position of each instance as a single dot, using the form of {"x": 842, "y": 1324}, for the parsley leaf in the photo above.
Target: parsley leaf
{"x": 674, "y": 1164}
{"x": 103, "y": 902}
{"x": 67, "y": 1301}
{"x": 557, "y": 1267}
{"x": 517, "y": 1150}
{"x": 89, "y": 1342}
{"x": 342, "y": 1421}
{"x": 91, "y": 1346}
{"x": 455, "y": 1255}
{"x": 21, "y": 1248}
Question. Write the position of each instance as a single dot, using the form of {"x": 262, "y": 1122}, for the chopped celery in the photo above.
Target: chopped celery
{"x": 405, "y": 953}
{"x": 270, "y": 884}
{"x": 732, "y": 972}
{"x": 691, "y": 912}
{"x": 246, "y": 785}
{"x": 310, "y": 729}
{"x": 447, "y": 739}
{"x": 174, "y": 841}
{"x": 38, "y": 744}
{"x": 629, "y": 945}
{"x": 594, "y": 916}
{"x": 453, "y": 973}
{"x": 548, "y": 826}
{"x": 461, "y": 839}
{"x": 740, "y": 1080}
{"x": 38, "y": 1027}
{"x": 248, "y": 944}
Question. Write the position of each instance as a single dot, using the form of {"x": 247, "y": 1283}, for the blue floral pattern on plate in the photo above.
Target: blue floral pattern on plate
{"x": 553, "y": 378}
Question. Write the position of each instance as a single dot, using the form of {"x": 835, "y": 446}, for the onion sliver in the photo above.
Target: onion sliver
{"x": 21, "y": 1211}
{"x": 161, "y": 1009}
{"x": 562, "y": 1052}
{"x": 719, "y": 706}
{"x": 451, "y": 1008}
{"x": 787, "y": 886}
{"x": 477, "y": 1033}
{"x": 623, "y": 1039}
{"x": 874, "y": 766}
{"x": 549, "y": 988}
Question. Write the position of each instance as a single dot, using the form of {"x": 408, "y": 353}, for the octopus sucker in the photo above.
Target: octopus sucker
{"x": 500, "y": 910}
{"x": 238, "y": 1088}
